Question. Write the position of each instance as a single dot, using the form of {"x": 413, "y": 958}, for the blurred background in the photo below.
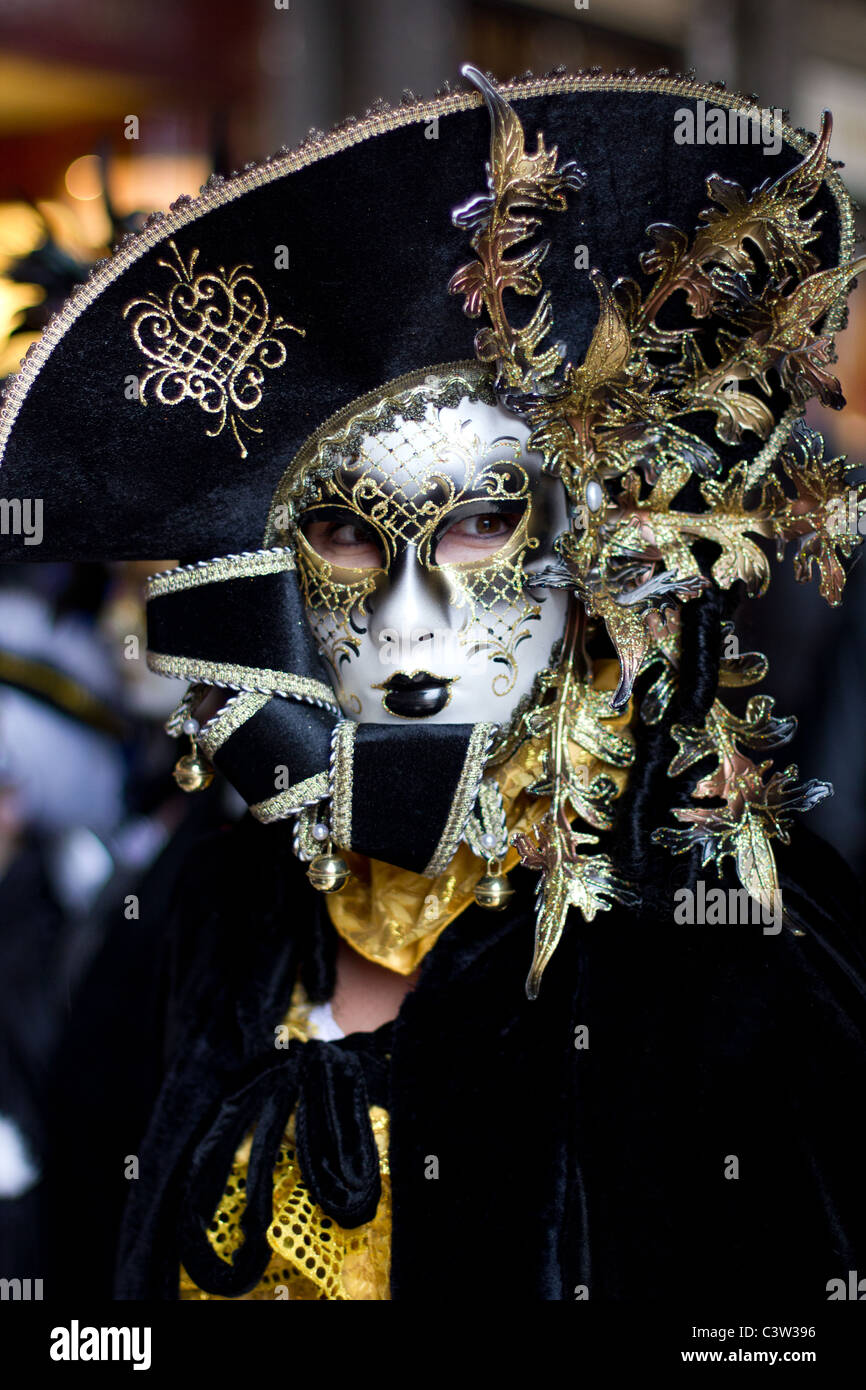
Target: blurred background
{"x": 109, "y": 109}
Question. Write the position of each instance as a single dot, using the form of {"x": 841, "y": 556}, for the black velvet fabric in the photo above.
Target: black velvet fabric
{"x": 371, "y": 248}
{"x": 404, "y": 782}
{"x": 282, "y": 734}
{"x": 335, "y": 1145}
{"x": 34, "y": 930}
{"x": 404, "y": 778}
{"x": 256, "y": 621}
{"x": 516, "y": 1155}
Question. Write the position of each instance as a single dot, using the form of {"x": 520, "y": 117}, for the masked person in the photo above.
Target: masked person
{"x": 481, "y": 691}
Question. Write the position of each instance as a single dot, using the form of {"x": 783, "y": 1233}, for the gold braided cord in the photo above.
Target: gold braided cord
{"x": 463, "y": 799}
{"x": 342, "y": 776}
{"x": 286, "y": 803}
{"x": 261, "y": 680}
{"x": 243, "y": 566}
{"x": 236, "y": 712}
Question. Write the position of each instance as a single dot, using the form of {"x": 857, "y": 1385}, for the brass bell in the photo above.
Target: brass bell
{"x": 493, "y": 891}
{"x": 328, "y": 872}
{"x": 193, "y": 772}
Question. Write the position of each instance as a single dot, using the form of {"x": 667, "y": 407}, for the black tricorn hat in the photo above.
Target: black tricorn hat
{"x": 163, "y": 404}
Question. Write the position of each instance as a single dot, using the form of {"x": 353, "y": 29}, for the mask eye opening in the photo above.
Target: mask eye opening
{"x": 336, "y": 517}
{"x": 516, "y": 511}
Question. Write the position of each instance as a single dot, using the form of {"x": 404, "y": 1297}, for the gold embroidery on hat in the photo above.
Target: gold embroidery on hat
{"x": 211, "y": 337}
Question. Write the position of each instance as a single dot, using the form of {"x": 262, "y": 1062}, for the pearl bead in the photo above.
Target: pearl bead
{"x": 191, "y": 727}
{"x": 488, "y": 841}
{"x": 320, "y": 831}
{"x": 594, "y": 496}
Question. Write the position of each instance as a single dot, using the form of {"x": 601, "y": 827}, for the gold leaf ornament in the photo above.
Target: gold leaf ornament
{"x": 756, "y": 808}
{"x": 755, "y": 861}
{"x": 519, "y": 186}
{"x": 568, "y": 877}
{"x": 770, "y": 219}
{"x": 757, "y": 301}
{"x": 824, "y": 519}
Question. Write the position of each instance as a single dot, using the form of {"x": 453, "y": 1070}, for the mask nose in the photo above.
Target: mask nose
{"x": 410, "y": 616}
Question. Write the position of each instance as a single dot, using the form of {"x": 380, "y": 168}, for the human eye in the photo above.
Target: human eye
{"x": 474, "y": 536}
{"x": 343, "y": 542}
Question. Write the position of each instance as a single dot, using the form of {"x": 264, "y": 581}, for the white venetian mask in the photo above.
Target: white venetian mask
{"x": 416, "y": 559}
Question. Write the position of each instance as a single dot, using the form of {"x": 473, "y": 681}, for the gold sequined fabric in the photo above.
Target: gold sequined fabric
{"x": 312, "y": 1258}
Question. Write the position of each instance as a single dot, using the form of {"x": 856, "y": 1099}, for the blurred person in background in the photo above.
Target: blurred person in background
{"x": 85, "y": 809}
{"x": 62, "y": 774}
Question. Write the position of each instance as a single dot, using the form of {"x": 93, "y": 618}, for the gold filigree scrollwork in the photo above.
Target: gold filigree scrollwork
{"x": 495, "y": 595}
{"x": 337, "y": 596}
{"x": 210, "y": 338}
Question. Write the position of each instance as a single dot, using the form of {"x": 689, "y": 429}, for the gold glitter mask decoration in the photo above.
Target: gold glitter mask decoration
{"x": 494, "y": 592}
{"x": 413, "y": 612}
{"x": 210, "y": 340}
{"x": 337, "y": 595}
{"x": 409, "y": 486}
{"x": 406, "y": 488}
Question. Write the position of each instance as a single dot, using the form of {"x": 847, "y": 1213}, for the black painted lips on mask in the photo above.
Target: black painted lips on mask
{"x": 416, "y": 696}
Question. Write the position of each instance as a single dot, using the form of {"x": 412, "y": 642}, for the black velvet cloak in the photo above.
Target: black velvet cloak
{"x": 561, "y": 1169}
